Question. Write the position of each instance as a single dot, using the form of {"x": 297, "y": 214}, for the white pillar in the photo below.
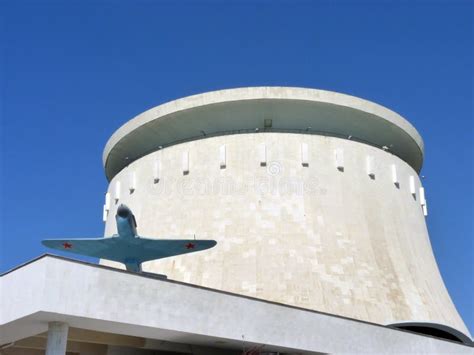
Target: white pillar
{"x": 57, "y": 338}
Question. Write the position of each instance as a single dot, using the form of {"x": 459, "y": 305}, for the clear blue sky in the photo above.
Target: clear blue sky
{"x": 74, "y": 71}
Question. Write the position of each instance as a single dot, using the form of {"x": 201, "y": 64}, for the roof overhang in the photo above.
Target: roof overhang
{"x": 433, "y": 329}
{"x": 103, "y": 299}
{"x": 240, "y": 110}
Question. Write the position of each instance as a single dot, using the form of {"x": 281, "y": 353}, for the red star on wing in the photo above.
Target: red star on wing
{"x": 67, "y": 245}
{"x": 190, "y": 246}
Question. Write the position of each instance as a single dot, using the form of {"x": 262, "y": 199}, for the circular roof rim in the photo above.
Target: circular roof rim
{"x": 261, "y": 93}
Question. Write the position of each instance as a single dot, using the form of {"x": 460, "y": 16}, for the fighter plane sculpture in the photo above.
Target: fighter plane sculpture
{"x": 127, "y": 246}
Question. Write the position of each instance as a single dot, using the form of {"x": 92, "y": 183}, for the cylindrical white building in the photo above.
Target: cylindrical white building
{"x": 313, "y": 196}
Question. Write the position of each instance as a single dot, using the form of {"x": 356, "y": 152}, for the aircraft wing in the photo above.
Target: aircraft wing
{"x": 163, "y": 248}
{"x": 123, "y": 250}
{"x": 95, "y": 247}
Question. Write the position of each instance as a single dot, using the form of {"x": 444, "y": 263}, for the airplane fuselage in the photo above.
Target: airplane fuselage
{"x": 126, "y": 224}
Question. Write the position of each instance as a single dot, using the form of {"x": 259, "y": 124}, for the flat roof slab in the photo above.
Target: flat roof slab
{"x": 109, "y": 300}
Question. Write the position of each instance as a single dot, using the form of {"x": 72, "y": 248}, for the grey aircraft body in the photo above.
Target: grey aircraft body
{"x": 127, "y": 246}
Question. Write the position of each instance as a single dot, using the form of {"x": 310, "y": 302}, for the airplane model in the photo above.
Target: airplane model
{"x": 127, "y": 246}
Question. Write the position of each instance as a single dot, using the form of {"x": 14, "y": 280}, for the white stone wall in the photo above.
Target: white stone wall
{"x": 309, "y": 235}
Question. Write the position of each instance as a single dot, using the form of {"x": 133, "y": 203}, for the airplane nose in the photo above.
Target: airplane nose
{"x": 123, "y": 211}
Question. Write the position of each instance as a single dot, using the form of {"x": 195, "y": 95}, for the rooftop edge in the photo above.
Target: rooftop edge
{"x": 183, "y": 109}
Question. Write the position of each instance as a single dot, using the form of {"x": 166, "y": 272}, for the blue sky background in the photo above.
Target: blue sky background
{"x": 73, "y": 71}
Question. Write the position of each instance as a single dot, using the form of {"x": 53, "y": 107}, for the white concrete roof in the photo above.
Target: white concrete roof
{"x": 240, "y": 110}
{"x": 109, "y": 300}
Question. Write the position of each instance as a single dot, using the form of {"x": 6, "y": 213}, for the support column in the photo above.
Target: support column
{"x": 57, "y": 338}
